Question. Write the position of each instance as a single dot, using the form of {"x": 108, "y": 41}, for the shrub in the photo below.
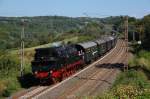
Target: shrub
{"x": 8, "y": 62}
{"x": 2, "y": 87}
{"x": 129, "y": 85}
{"x": 141, "y": 60}
{"x": 126, "y": 92}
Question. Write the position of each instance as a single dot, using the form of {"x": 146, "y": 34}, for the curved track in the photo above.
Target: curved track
{"x": 92, "y": 80}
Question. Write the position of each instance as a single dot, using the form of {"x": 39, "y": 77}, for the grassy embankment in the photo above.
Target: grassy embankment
{"x": 135, "y": 83}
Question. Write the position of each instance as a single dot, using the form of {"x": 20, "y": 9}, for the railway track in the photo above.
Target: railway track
{"x": 82, "y": 82}
{"x": 107, "y": 77}
{"x": 86, "y": 80}
{"x": 97, "y": 78}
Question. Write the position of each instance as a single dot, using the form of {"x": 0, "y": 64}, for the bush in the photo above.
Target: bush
{"x": 129, "y": 85}
{"x": 8, "y": 62}
{"x": 9, "y": 66}
{"x": 3, "y": 86}
{"x": 126, "y": 92}
{"x": 8, "y": 86}
{"x": 141, "y": 61}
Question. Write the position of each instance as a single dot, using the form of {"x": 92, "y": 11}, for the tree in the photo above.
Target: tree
{"x": 146, "y": 25}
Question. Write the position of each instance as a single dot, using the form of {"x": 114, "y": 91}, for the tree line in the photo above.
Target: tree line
{"x": 45, "y": 29}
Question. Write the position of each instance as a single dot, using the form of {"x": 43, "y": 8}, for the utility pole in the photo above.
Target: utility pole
{"x": 22, "y": 49}
{"x": 126, "y": 43}
{"x": 133, "y": 36}
{"x": 140, "y": 34}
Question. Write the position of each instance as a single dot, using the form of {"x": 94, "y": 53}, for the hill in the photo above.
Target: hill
{"x": 45, "y": 29}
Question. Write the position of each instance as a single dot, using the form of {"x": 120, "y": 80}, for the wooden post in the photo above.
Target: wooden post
{"x": 22, "y": 50}
{"x": 126, "y": 43}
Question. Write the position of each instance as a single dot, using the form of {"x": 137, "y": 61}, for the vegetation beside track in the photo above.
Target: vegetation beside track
{"x": 134, "y": 83}
{"x": 8, "y": 74}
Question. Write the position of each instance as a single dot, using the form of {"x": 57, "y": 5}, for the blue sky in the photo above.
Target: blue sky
{"x": 74, "y": 8}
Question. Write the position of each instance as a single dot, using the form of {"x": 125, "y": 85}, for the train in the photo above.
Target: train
{"x": 57, "y": 63}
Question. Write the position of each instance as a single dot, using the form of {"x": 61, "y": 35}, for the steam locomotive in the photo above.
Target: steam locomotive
{"x": 56, "y": 63}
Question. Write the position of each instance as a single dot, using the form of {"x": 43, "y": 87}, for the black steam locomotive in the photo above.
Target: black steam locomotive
{"x": 57, "y": 63}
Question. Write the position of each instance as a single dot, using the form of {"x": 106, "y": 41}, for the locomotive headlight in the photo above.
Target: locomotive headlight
{"x": 35, "y": 72}
{"x": 51, "y": 71}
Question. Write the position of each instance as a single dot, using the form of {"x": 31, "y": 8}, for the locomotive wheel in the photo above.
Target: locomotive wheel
{"x": 64, "y": 75}
{"x": 72, "y": 71}
{"x": 68, "y": 73}
{"x": 77, "y": 67}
